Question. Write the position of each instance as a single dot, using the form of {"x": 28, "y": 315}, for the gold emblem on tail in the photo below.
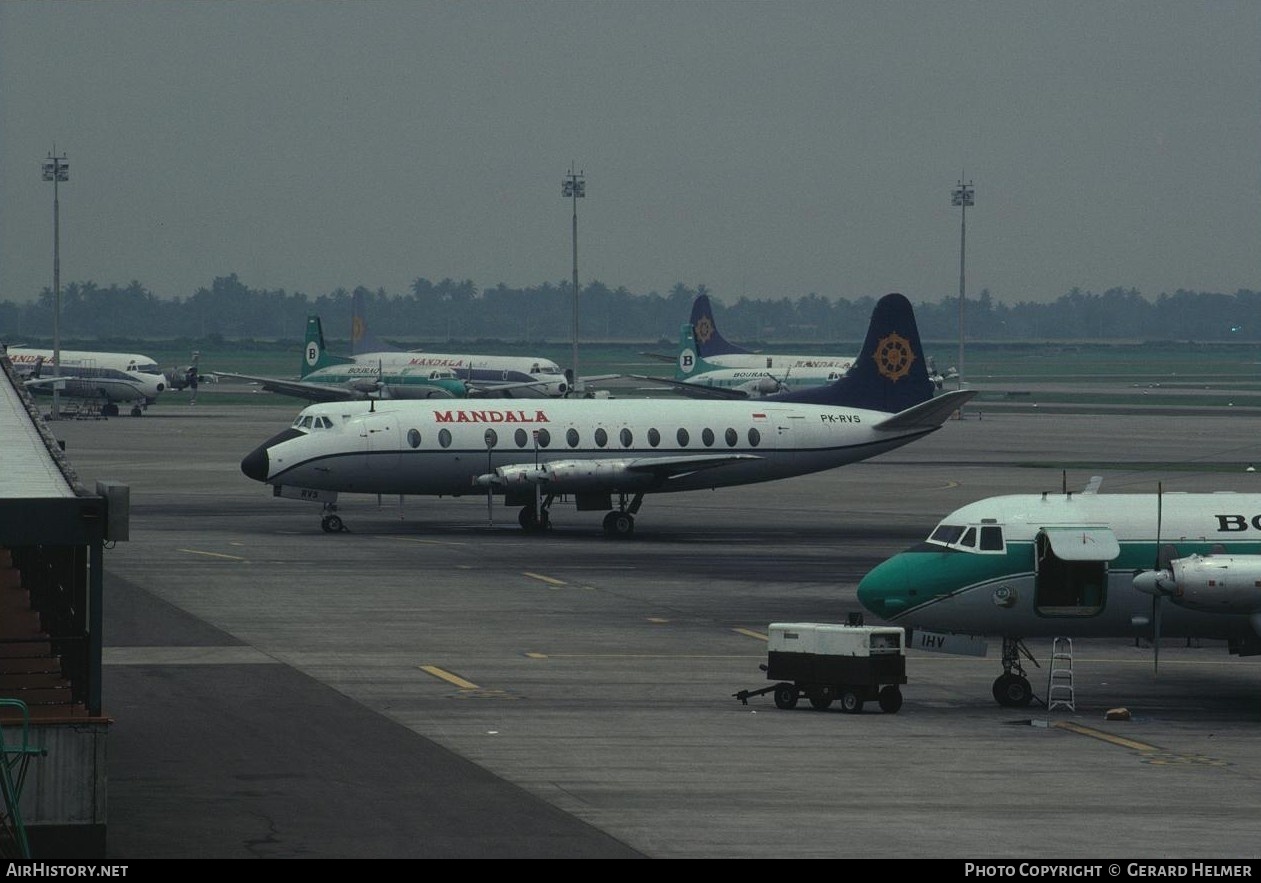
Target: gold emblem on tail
{"x": 704, "y": 329}
{"x": 894, "y": 357}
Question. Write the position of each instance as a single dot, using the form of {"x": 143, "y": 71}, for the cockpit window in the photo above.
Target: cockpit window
{"x": 985, "y": 538}
{"x": 305, "y": 422}
{"x": 946, "y": 533}
{"x": 991, "y": 539}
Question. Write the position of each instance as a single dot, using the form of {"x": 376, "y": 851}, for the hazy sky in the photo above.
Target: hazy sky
{"x": 761, "y": 149}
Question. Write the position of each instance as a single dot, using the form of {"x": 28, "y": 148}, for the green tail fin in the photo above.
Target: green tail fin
{"x": 314, "y": 354}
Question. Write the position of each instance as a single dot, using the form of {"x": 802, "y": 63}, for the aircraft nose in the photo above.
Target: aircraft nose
{"x": 255, "y": 464}
{"x": 880, "y": 591}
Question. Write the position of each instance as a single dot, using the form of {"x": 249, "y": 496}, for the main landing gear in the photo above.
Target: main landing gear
{"x": 331, "y": 522}
{"x": 1011, "y": 688}
{"x": 619, "y": 524}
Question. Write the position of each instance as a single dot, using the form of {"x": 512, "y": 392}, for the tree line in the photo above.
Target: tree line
{"x": 450, "y": 310}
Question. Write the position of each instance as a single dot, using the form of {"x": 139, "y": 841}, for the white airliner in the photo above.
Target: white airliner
{"x": 100, "y": 377}
{"x": 708, "y": 366}
{"x": 599, "y": 450}
{"x": 1071, "y": 565}
{"x": 498, "y": 376}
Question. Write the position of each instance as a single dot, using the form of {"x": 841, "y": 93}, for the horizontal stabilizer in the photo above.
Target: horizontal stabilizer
{"x": 929, "y": 414}
{"x": 312, "y": 392}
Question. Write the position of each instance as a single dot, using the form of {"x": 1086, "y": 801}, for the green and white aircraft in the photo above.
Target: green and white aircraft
{"x": 329, "y": 378}
{"x": 1072, "y": 565}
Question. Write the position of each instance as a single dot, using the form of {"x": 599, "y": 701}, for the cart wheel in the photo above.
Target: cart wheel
{"x": 820, "y": 697}
{"x": 785, "y": 696}
{"x": 890, "y": 699}
{"x": 850, "y": 703}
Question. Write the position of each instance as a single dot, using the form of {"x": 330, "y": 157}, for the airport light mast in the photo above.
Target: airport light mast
{"x": 963, "y": 197}
{"x": 56, "y": 169}
{"x": 574, "y": 188}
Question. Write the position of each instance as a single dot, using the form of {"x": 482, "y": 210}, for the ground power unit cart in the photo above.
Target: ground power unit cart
{"x": 853, "y": 664}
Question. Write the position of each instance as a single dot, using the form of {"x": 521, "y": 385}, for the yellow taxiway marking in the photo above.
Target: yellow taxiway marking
{"x": 1105, "y": 737}
{"x": 657, "y": 620}
{"x": 211, "y": 554}
{"x": 752, "y": 634}
{"x": 545, "y": 579}
{"x": 448, "y": 677}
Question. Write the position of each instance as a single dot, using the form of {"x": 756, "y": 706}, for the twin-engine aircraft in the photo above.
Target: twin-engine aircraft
{"x": 709, "y": 366}
{"x": 599, "y": 450}
{"x": 102, "y": 378}
{"x": 404, "y": 375}
{"x": 1072, "y": 565}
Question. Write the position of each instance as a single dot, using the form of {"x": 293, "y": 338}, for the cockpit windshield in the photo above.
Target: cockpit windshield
{"x": 969, "y": 538}
{"x": 308, "y": 421}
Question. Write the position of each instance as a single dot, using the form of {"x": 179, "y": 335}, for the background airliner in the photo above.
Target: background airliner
{"x": 100, "y": 378}
{"x": 709, "y": 366}
{"x": 601, "y": 450}
{"x": 506, "y": 376}
{"x": 329, "y": 378}
{"x": 1078, "y": 565}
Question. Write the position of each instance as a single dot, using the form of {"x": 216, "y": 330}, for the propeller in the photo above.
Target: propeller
{"x": 1157, "y": 582}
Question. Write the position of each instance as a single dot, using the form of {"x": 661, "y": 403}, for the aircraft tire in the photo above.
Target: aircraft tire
{"x": 136, "y": 412}
{"x": 850, "y": 703}
{"x": 1012, "y": 691}
{"x": 785, "y": 696}
{"x": 332, "y": 524}
{"x": 109, "y": 409}
{"x": 532, "y": 522}
{"x": 619, "y": 524}
{"x": 890, "y": 699}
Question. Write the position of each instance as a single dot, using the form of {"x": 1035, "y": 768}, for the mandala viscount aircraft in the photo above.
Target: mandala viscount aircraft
{"x": 599, "y": 451}
{"x": 1092, "y": 565}
{"x": 103, "y": 378}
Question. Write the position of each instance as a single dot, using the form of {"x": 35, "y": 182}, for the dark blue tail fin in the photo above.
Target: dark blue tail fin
{"x": 890, "y": 373}
{"x": 708, "y": 341}
{"x": 361, "y": 339}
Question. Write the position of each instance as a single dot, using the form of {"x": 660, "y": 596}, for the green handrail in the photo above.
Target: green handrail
{"x": 13, "y": 766}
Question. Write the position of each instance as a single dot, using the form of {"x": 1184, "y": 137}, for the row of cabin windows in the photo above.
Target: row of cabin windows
{"x": 521, "y": 437}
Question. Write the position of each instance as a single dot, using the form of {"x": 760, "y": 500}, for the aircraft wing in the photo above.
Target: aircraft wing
{"x": 677, "y": 467}
{"x": 314, "y": 392}
{"x": 929, "y": 414}
{"x": 692, "y": 390}
{"x": 478, "y": 388}
{"x": 45, "y": 381}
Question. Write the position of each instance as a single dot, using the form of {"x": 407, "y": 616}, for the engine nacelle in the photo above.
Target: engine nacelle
{"x": 570, "y": 476}
{"x": 1214, "y": 583}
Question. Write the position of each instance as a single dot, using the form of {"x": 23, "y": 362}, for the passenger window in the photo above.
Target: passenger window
{"x": 413, "y": 437}
{"x": 732, "y": 437}
{"x": 683, "y": 438}
{"x": 991, "y": 539}
{"x": 490, "y": 437}
{"x": 755, "y": 437}
{"x": 601, "y": 437}
{"x": 571, "y": 438}
{"x": 444, "y": 437}
{"x": 626, "y": 437}
{"x": 544, "y": 437}
{"x": 707, "y": 437}
{"x": 520, "y": 438}
{"x": 654, "y": 437}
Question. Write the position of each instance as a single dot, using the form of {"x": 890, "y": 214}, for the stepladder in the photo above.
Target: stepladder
{"x": 1059, "y": 688}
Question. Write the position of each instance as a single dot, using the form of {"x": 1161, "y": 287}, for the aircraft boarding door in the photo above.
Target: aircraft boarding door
{"x": 381, "y": 441}
{"x": 1071, "y": 570}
